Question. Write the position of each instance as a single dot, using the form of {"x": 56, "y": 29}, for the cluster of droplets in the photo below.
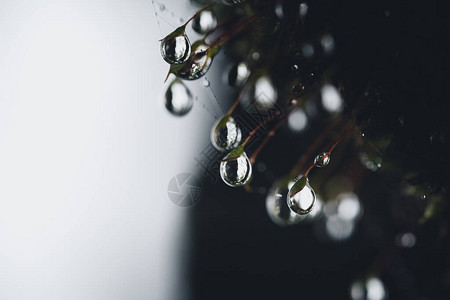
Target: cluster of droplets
{"x": 187, "y": 62}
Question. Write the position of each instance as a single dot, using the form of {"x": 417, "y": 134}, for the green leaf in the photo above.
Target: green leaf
{"x": 298, "y": 186}
{"x": 223, "y": 122}
{"x": 177, "y": 32}
{"x": 237, "y": 152}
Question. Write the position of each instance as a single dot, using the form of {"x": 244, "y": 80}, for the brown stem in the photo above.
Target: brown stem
{"x": 276, "y": 114}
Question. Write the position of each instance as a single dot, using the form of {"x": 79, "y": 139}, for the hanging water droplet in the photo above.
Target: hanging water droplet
{"x": 178, "y": 98}
{"x": 276, "y": 205}
{"x": 204, "y": 22}
{"x": 235, "y": 171}
{"x": 302, "y": 201}
{"x": 322, "y": 159}
{"x": 205, "y": 82}
{"x": 238, "y": 74}
{"x": 198, "y": 63}
{"x": 225, "y": 134}
{"x": 175, "y": 48}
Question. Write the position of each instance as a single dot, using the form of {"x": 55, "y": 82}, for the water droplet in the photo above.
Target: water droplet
{"x": 276, "y": 205}
{"x": 204, "y": 22}
{"x": 175, "y": 49}
{"x": 264, "y": 92}
{"x": 297, "y": 120}
{"x": 327, "y": 43}
{"x": 162, "y": 7}
{"x": 294, "y": 68}
{"x": 308, "y": 50}
{"x": 371, "y": 288}
{"x": 331, "y": 99}
{"x": 236, "y": 172}
{"x": 279, "y": 10}
{"x": 322, "y": 159}
{"x": 178, "y": 98}
{"x": 256, "y": 55}
{"x": 205, "y": 82}
{"x": 238, "y": 74}
{"x": 405, "y": 240}
{"x": 197, "y": 65}
{"x": 225, "y": 134}
{"x": 303, "y": 11}
{"x": 302, "y": 202}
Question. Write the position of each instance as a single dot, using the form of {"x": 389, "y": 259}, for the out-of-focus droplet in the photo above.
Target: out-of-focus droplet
{"x": 303, "y": 11}
{"x": 237, "y": 171}
{"x": 331, "y": 99}
{"x": 225, "y": 134}
{"x": 302, "y": 201}
{"x": 205, "y": 82}
{"x": 371, "y": 288}
{"x": 197, "y": 65}
{"x": 349, "y": 207}
{"x": 405, "y": 240}
{"x": 297, "y": 120}
{"x": 264, "y": 92}
{"x": 338, "y": 229}
{"x": 322, "y": 159}
{"x": 307, "y": 50}
{"x": 256, "y": 55}
{"x": 162, "y": 7}
{"x": 175, "y": 48}
{"x": 178, "y": 98}
{"x": 232, "y": 2}
{"x": 327, "y": 43}
{"x": 238, "y": 74}
{"x": 276, "y": 205}
{"x": 279, "y": 10}
{"x": 204, "y": 22}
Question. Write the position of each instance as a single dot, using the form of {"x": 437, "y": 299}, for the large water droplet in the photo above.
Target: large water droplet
{"x": 322, "y": 159}
{"x": 175, "y": 49}
{"x": 204, "y": 22}
{"x": 236, "y": 172}
{"x": 197, "y": 65}
{"x": 238, "y": 74}
{"x": 225, "y": 134}
{"x": 276, "y": 205}
{"x": 178, "y": 98}
{"x": 302, "y": 202}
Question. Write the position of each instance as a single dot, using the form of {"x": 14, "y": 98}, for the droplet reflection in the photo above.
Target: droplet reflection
{"x": 236, "y": 172}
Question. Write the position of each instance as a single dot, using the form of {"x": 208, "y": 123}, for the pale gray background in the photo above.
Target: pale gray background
{"x": 87, "y": 150}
